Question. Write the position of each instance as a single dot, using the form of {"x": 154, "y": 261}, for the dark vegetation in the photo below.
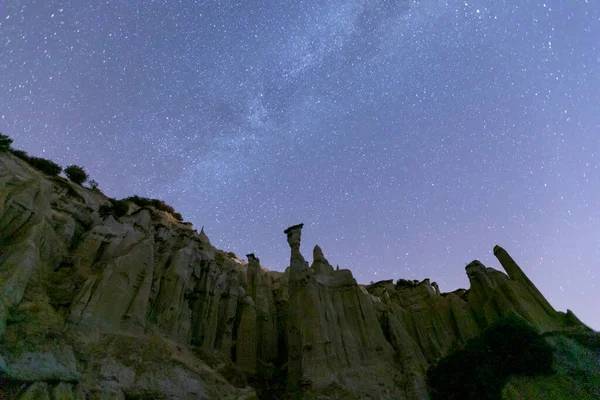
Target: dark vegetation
{"x": 146, "y": 202}
{"x": 5, "y": 142}
{"x": 46, "y": 166}
{"x": 11, "y": 388}
{"x": 119, "y": 208}
{"x": 403, "y": 283}
{"x": 77, "y": 174}
{"x": 480, "y": 370}
{"x": 586, "y": 338}
{"x": 158, "y": 204}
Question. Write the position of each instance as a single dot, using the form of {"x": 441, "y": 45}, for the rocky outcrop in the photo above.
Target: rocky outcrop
{"x": 335, "y": 343}
{"x": 75, "y": 282}
{"x": 142, "y": 306}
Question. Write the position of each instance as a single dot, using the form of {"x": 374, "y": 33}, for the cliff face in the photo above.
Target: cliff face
{"x": 143, "y": 306}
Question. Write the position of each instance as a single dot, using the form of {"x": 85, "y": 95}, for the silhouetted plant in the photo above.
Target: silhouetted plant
{"x": 401, "y": 283}
{"x": 517, "y": 348}
{"x": 21, "y": 154}
{"x": 105, "y": 210}
{"x": 76, "y": 174}
{"x": 481, "y": 369}
{"x": 120, "y": 208}
{"x": 178, "y": 216}
{"x": 46, "y": 166}
{"x": 146, "y": 202}
{"x": 5, "y": 142}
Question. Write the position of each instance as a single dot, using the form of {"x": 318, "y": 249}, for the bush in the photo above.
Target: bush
{"x": 118, "y": 208}
{"x": 5, "y": 143}
{"x": 158, "y": 204}
{"x": 402, "y": 283}
{"x": 517, "y": 348}
{"x": 178, "y": 216}
{"x": 105, "y": 210}
{"x": 21, "y": 154}
{"x": 76, "y": 174}
{"x": 140, "y": 201}
{"x": 481, "y": 369}
{"x": 93, "y": 184}
{"x": 46, "y": 166}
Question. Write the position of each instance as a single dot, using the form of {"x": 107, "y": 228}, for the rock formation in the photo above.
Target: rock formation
{"x": 142, "y": 306}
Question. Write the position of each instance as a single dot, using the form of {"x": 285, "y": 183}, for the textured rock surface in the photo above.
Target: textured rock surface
{"x": 143, "y": 306}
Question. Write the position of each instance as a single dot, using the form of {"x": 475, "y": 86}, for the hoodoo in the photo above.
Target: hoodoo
{"x": 97, "y": 302}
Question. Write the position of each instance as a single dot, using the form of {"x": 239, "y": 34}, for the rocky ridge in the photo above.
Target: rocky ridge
{"x": 143, "y": 306}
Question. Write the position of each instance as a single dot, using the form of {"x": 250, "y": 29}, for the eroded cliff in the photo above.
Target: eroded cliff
{"x": 95, "y": 305}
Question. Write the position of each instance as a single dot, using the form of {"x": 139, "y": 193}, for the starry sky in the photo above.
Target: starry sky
{"x": 409, "y": 136}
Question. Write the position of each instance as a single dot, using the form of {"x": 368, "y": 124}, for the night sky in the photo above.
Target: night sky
{"x": 409, "y": 136}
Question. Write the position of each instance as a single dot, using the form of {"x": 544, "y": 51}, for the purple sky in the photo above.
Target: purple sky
{"x": 409, "y": 137}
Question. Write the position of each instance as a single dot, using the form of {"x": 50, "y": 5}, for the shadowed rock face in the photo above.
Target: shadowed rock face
{"x": 143, "y": 305}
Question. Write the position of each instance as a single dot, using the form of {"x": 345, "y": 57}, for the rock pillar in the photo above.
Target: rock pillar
{"x": 320, "y": 264}
{"x": 297, "y": 280}
{"x": 516, "y": 274}
{"x": 252, "y": 274}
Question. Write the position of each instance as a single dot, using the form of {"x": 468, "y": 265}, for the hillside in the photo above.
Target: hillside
{"x": 97, "y": 303}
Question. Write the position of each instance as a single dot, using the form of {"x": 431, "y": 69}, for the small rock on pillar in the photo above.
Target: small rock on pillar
{"x": 298, "y": 269}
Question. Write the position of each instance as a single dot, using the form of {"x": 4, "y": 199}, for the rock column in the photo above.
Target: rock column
{"x": 298, "y": 279}
{"x": 515, "y": 273}
{"x": 252, "y": 274}
{"x": 320, "y": 264}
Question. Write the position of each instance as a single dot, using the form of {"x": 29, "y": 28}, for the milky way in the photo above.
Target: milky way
{"x": 409, "y": 136}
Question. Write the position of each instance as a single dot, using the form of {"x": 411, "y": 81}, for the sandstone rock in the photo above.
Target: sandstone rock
{"x": 333, "y": 333}
{"x": 203, "y": 238}
{"x": 493, "y": 295}
{"x": 63, "y": 391}
{"x": 78, "y": 393}
{"x": 3, "y": 366}
{"x": 320, "y": 264}
{"x": 37, "y": 391}
{"x": 111, "y": 370}
{"x": 142, "y": 306}
{"x": 517, "y": 275}
{"x": 247, "y": 344}
{"x": 58, "y": 366}
{"x": 106, "y": 391}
